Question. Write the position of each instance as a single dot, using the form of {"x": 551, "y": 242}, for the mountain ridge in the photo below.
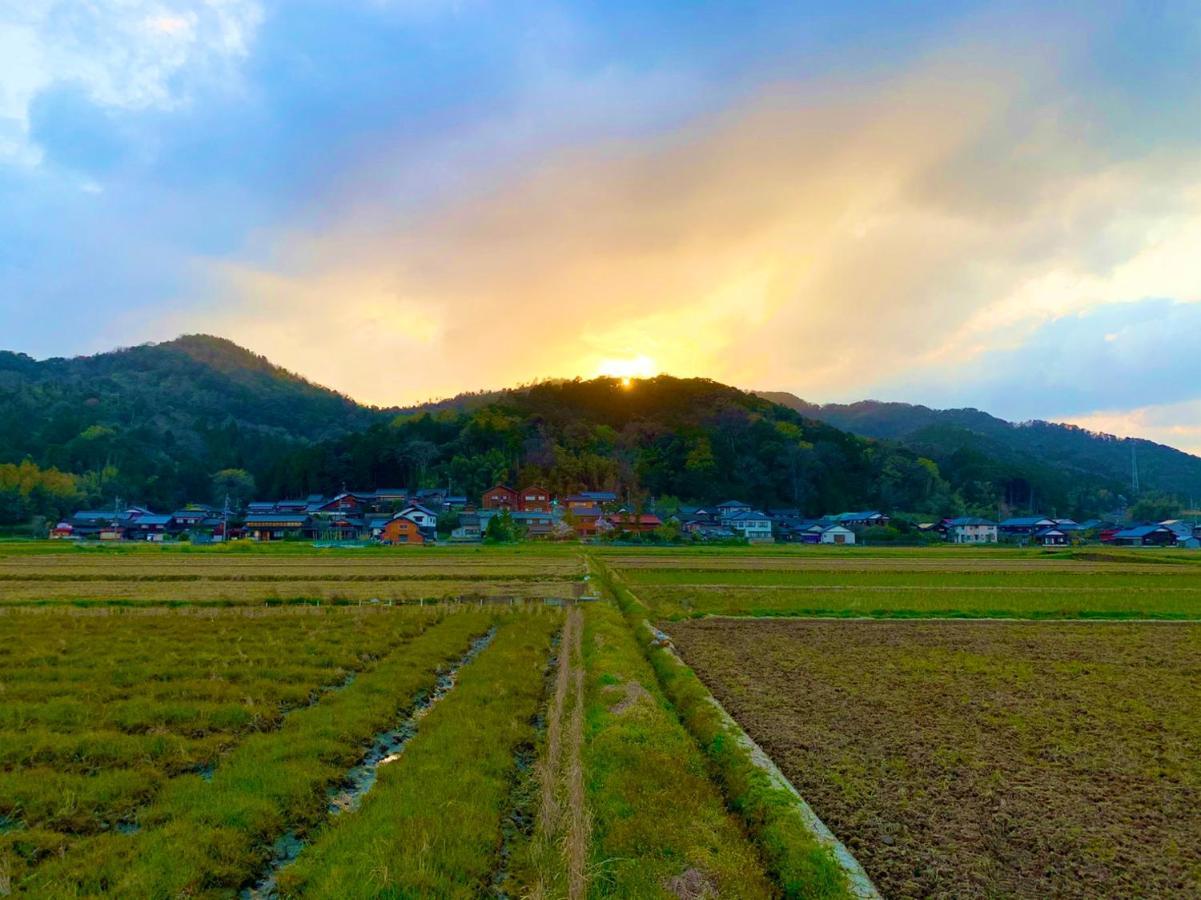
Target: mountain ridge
{"x": 1161, "y": 467}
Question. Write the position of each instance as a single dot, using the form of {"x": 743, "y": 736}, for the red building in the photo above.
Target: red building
{"x": 500, "y": 497}
{"x": 534, "y": 499}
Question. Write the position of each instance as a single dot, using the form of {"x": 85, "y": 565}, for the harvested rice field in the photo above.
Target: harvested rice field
{"x": 985, "y": 759}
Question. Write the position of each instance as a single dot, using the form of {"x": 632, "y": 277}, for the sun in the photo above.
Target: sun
{"x": 627, "y": 368}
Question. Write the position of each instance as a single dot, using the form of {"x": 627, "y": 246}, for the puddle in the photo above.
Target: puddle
{"x": 385, "y": 748}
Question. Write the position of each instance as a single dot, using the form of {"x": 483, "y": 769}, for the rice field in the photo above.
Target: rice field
{"x": 271, "y": 722}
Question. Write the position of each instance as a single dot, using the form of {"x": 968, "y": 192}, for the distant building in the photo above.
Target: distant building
{"x": 836, "y": 534}
{"x": 725, "y": 511}
{"x": 970, "y": 530}
{"x": 534, "y": 499}
{"x": 752, "y": 525}
{"x": 1051, "y": 537}
{"x": 500, "y": 497}
{"x": 276, "y": 526}
{"x": 633, "y": 523}
{"x": 401, "y": 529}
{"x": 868, "y": 518}
{"x": 1145, "y": 536}
{"x": 1024, "y": 526}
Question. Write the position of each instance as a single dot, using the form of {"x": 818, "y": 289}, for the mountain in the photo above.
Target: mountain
{"x": 153, "y": 423}
{"x": 1101, "y": 460}
{"x": 162, "y": 424}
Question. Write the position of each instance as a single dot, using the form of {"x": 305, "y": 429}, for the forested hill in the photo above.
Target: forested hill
{"x": 195, "y": 418}
{"x": 1073, "y": 451}
{"x": 153, "y": 423}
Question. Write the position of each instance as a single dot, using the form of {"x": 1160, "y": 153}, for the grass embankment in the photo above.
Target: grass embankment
{"x": 215, "y": 835}
{"x": 433, "y": 822}
{"x": 659, "y": 825}
{"x": 797, "y": 861}
{"x": 981, "y": 759}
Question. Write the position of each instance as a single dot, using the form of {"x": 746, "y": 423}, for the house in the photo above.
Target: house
{"x": 63, "y": 531}
{"x": 752, "y": 525}
{"x": 1145, "y": 536}
{"x": 1192, "y": 542}
{"x": 343, "y": 503}
{"x": 424, "y": 517}
{"x": 276, "y": 526}
{"x": 971, "y": 530}
{"x": 535, "y": 523}
{"x": 534, "y": 499}
{"x": 499, "y": 497}
{"x": 731, "y": 508}
{"x": 148, "y": 527}
{"x": 468, "y": 531}
{"x": 1051, "y": 537}
{"x": 589, "y": 498}
{"x": 1066, "y": 524}
{"x": 1024, "y": 526}
{"x": 390, "y": 498}
{"x": 868, "y": 518}
{"x": 192, "y": 517}
{"x": 585, "y": 520}
{"x": 790, "y": 529}
{"x": 633, "y": 522}
{"x": 400, "y": 529}
{"x": 836, "y": 534}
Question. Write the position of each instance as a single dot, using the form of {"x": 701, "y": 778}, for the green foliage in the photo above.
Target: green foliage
{"x": 1155, "y": 508}
{"x": 501, "y": 529}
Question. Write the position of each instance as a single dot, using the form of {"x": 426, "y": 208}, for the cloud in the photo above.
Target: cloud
{"x": 836, "y": 238}
{"x": 1175, "y": 424}
{"x": 128, "y": 55}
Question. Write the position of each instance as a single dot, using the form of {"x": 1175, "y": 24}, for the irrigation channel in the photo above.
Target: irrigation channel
{"x": 387, "y": 747}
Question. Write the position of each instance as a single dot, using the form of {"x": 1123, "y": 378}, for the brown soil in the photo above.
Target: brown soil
{"x": 981, "y": 758}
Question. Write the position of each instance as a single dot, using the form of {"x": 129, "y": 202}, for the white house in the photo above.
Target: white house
{"x": 752, "y": 525}
{"x": 837, "y": 534}
{"x": 424, "y": 518}
{"x": 970, "y": 530}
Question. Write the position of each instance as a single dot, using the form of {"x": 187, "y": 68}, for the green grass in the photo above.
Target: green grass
{"x": 656, "y": 814}
{"x": 200, "y": 835}
{"x": 799, "y": 864}
{"x": 432, "y": 824}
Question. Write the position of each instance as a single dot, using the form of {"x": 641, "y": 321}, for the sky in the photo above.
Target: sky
{"x": 953, "y": 203}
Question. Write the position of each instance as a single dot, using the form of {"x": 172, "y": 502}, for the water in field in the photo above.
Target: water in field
{"x": 387, "y": 747}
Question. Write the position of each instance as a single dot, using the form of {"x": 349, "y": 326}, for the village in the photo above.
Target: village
{"x": 400, "y": 517}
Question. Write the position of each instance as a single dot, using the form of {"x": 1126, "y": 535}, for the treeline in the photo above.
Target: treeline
{"x": 691, "y": 439}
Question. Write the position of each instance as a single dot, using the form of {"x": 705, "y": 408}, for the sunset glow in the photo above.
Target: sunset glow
{"x": 795, "y": 210}
{"x": 625, "y": 369}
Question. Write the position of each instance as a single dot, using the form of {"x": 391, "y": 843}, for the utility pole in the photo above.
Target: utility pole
{"x": 1134, "y": 468}
{"x": 225, "y": 520}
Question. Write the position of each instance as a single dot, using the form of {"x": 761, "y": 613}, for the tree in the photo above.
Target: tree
{"x": 1155, "y": 508}
{"x": 237, "y": 484}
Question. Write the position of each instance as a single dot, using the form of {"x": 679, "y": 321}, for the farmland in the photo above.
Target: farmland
{"x": 282, "y": 721}
{"x": 981, "y": 758}
{"x": 989, "y": 584}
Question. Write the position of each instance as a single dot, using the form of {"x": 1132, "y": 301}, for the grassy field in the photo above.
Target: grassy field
{"x": 219, "y": 721}
{"x": 981, "y": 758}
{"x": 994, "y": 583}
